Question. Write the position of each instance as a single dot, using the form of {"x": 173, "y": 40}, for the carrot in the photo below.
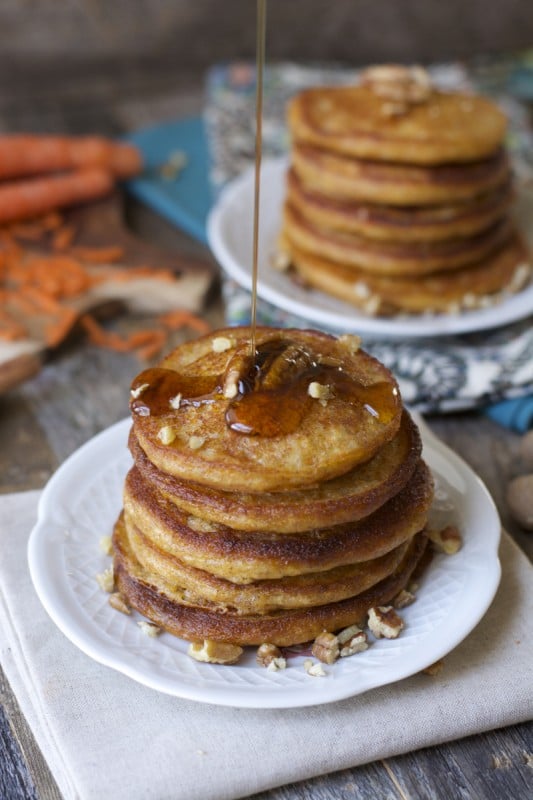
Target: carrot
{"x": 99, "y": 255}
{"x": 57, "y": 330}
{"x": 63, "y": 237}
{"x": 153, "y": 348}
{"x": 22, "y": 155}
{"x": 182, "y": 319}
{"x": 26, "y": 199}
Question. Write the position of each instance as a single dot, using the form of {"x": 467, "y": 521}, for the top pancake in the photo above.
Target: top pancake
{"x": 322, "y": 438}
{"x": 446, "y": 128}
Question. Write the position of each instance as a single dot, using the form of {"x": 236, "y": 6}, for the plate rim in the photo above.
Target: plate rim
{"x": 249, "y": 696}
{"x": 469, "y": 321}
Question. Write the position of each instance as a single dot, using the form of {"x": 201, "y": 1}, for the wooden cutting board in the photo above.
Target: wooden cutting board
{"x": 97, "y": 225}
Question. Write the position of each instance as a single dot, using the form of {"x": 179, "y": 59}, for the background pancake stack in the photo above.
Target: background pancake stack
{"x": 273, "y": 504}
{"x": 398, "y": 196}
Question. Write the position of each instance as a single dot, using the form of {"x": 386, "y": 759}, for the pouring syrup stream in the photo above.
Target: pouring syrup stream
{"x": 260, "y": 63}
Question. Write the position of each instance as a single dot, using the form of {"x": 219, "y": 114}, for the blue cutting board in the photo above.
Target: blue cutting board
{"x": 186, "y": 199}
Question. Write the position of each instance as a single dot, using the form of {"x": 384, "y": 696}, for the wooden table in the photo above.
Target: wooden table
{"x": 84, "y": 389}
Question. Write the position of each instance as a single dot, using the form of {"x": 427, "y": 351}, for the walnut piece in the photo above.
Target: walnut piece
{"x": 175, "y": 402}
{"x": 149, "y": 628}
{"x": 135, "y": 393}
{"x": 348, "y": 633}
{"x": 106, "y": 545}
{"x": 195, "y": 442}
{"x": 166, "y": 434}
{"x": 384, "y": 622}
{"x": 448, "y": 540}
{"x": 326, "y": 648}
{"x": 403, "y": 599}
{"x": 357, "y": 644}
{"x": 315, "y": 670}
{"x": 351, "y": 341}
{"x": 434, "y": 669}
{"x": 106, "y": 580}
{"x": 398, "y": 84}
{"x": 280, "y": 261}
{"x": 221, "y": 343}
{"x": 117, "y": 602}
{"x": 214, "y": 652}
{"x": 320, "y": 391}
{"x": 268, "y": 655}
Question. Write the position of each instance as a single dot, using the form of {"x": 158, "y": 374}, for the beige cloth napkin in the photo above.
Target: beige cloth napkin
{"x": 104, "y": 735}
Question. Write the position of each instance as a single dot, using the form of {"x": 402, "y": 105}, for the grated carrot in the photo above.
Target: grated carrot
{"x": 183, "y": 319}
{"x": 63, "y": 237}
{"x": 58, "y": 329}
{"x": 99, "y": 255}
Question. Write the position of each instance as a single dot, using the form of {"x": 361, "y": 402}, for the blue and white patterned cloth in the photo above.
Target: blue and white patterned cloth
{"x": 435, "y": 374}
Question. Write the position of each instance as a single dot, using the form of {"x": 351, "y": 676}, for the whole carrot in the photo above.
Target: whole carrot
{"x": 28, "y": 198}
{"x": 22, "y": 155}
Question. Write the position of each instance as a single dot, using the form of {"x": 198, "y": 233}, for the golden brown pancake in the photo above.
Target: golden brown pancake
{"x": 254, "y": 556}
{"x": 168, "y": 606}
{"x": 394, "y": 223}
{"x": 476, "y": 286}
{"x": 354, "y": 121}
{"x": 343, "y": 178}
{"x": 293, "y": 439}
{"x": 347, "y": 498}
{"x": 392, "y": 258}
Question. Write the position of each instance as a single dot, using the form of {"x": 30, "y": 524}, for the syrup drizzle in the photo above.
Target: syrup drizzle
{"x": 272, "y": 396}
{"x": 260, "y": 63}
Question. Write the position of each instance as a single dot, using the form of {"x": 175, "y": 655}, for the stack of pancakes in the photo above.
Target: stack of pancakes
{"x": 398, "y": 196}
{"x": 271, "y": 499}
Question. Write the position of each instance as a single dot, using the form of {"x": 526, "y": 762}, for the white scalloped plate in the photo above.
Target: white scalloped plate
{"x": 81, "y": 503}
{"x": 229, "y": 227}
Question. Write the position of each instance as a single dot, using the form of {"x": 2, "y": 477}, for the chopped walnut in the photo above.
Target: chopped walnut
{"x": 357, "y": 644}
{"x": 383, "y": 621}
{"x": 361, "y": 290}
{"x": 348, "y": 633}
{"x": 195, "y": 442}
{"x": 137, "y": 392}
{"x": 277, "y": 664}
{"x": 434, "y": 669}
{"x": 403, "y": 599}
{"x": 106, "y": 580}
{"x": 106, "y": 545}
{"x": 351, "y": 342}
{"x": 315, "y": 670}
{"x": 326, "y": 648}
{"x": 448, "y": 540}
{"x": 267, "y": 654}
{"x": 166, "y": 434}
{"x": 280, "y": 261}
{"x": 221, "y": 343}
{"x": 406, "y": 85}
{"x": 117, "y": 602}
{"x": 320, "y": 391}
{"x": 231, "y": 384}
{"x": 175, "y": 402}
{"x": 214, "y": 652}
{"x": 149, "y": 628}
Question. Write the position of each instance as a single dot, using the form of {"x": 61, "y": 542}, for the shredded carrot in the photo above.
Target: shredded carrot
{"x": 57, "y": 330}
{"x": 99, "y": 255}
{"x": 151, "y": 350}
{"x": 183, "y": 319}
{"x": 63, "y": 237}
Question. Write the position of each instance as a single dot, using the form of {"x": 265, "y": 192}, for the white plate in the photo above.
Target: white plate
{"x": 229, "y": 232}
{"x": 81, "y": 503}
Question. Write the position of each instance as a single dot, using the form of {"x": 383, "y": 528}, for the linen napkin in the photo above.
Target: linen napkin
{"x": 104, "y": 735}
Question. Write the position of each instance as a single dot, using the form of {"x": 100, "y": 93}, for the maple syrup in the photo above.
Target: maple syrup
{"x": 271, "y": 380}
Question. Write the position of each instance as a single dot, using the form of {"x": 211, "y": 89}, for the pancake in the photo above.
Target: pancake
{"x": 483, "y": 284}
{"x": 347, "y": 498}
{"x": 243, "y": 556}
{"x": 168, "y": 607}
{"x": 393, "y": 223}
{"x": 353, "y": 121}
{"x": 293, "y": 440}
{"x": 260, "y": 597}
{"x": 343, "y": 178}
{"x": 392, "y": 258}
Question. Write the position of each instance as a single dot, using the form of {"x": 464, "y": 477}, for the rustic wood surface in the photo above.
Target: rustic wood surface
{"x": 84, "y": 389}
